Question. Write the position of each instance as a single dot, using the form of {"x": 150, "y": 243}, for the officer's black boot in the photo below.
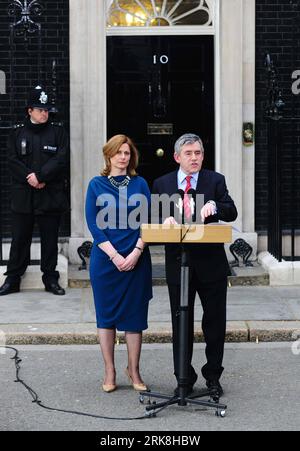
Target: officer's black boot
{"x": 52, "y": 285}
{"x": 10, "y": 286}
{"x": 55, "y": 288}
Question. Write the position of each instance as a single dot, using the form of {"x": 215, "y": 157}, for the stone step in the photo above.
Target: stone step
{"x": 243, "y": 276}
{"x": 249, "y": 275}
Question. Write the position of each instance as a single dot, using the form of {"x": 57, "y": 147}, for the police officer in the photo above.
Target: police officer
{"x": 38, "y": 160}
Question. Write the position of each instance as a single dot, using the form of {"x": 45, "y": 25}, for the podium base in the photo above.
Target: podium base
{"x": 152, "y": 408}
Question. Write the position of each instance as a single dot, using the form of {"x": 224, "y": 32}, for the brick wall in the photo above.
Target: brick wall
{"x": 278, "y": 32}
{"x": 24, "y": 57}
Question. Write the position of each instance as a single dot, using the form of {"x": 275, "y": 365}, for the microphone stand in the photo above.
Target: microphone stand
{"x": 183, "y": 377}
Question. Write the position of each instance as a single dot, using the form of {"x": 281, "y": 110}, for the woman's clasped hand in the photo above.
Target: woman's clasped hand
{"x": 128, "y": 263}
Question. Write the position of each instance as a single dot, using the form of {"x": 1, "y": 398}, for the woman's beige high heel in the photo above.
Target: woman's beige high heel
{"x": 108, "y": 388}
{"x": 137, "y": 387}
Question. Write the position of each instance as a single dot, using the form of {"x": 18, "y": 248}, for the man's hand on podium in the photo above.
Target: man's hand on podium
{"x": 209, "y": 209}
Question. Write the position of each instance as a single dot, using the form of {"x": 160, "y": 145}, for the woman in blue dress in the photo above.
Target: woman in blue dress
{"x": 117, "y": 202}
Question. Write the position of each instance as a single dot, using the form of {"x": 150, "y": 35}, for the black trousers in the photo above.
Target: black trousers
{"x": 19, "y": 257}
{"x": 213, "y": 300}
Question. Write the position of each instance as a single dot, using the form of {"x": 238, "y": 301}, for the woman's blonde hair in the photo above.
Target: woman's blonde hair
{"x": 111, "y": 148}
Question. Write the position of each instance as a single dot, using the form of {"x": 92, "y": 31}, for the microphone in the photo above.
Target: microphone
{"x": 180, "y": 192}
{"x": 192, "y": 193}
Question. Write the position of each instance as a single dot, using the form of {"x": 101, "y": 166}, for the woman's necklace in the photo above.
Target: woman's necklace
{"x": 117, "y": 184}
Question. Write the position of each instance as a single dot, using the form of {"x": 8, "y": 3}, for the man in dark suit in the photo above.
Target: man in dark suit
{"x": 208, "y": 266}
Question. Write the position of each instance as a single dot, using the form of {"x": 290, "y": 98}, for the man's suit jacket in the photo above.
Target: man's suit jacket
{"x": 208, "y": 260}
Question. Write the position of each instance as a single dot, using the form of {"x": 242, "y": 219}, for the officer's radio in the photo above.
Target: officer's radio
{"x": 23, "y": 147}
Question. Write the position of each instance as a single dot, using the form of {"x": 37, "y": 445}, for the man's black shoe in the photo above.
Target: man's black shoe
{"x": 8, "y": 288}
{"x": 215, "y": 388}
{"x": 55, "y": 289}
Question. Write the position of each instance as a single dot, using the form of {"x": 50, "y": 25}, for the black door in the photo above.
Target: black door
{"x": 159, "y": 87}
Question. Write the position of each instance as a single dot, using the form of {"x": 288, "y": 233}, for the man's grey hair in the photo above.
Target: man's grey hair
{"x": 187, "y": 138}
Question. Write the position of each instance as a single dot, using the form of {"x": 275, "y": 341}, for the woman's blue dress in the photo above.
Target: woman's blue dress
{"x": 121, "y": 298}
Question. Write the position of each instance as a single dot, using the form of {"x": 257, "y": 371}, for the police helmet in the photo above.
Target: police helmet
{"x": 38, "y": 98}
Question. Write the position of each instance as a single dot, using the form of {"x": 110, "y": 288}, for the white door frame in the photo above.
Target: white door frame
{"x": 184, "y": 31}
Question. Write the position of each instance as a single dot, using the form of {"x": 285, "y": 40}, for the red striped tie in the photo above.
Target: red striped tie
{"x": 186, "y": 200}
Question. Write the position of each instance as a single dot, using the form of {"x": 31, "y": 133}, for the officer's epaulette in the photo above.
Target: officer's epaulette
{"x": 16, "y": 126}
{"x": 57, "y": 124}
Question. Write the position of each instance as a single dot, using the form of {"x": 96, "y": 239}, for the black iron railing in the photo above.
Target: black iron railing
{"x": 273, "y": 113}
{"x": 283, "y": 136}
{"x": 22, "y": 26}
{"x": 22, "y": 16}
